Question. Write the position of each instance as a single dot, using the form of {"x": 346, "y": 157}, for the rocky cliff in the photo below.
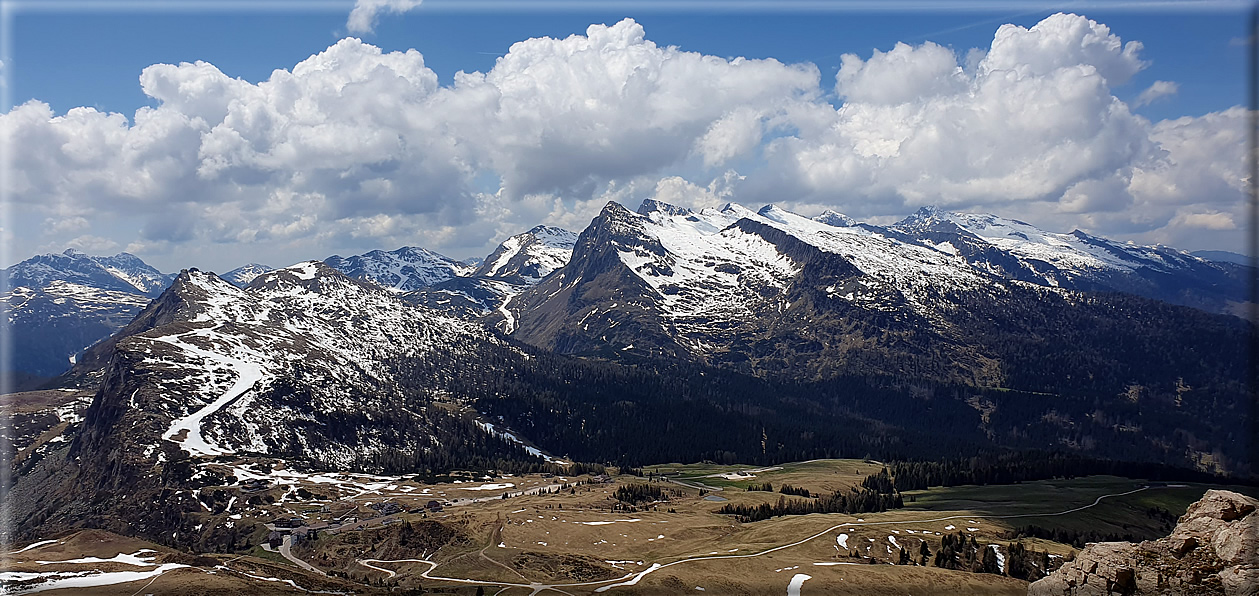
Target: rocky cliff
{"x": 1213, "y": 550}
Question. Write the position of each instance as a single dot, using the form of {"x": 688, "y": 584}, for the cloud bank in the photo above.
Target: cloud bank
{"x": 358, "y": 147}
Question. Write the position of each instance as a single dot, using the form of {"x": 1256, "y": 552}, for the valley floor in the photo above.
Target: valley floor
{"x": 534, "y": 534}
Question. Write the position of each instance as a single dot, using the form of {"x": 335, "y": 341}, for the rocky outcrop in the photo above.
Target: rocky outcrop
{"x": 1214, "y": 549}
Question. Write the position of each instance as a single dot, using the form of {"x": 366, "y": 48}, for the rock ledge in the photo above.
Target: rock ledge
{"x": 1214, "y": 549}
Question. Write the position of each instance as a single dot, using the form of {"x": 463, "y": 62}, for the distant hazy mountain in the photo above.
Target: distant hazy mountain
{"x": 402, "y": 270}
{"x": 52, "y": 325}
{"x": 1019, "y": 251}
{"x": 517, "y": 264}
{"x": 1223, "y": 256}
{"x": 59, "y": 304}
{"x": 121, "y": 273}
{"x": 241, "y": 276}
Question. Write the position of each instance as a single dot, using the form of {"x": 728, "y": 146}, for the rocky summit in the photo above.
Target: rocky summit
{"x": 1214, "y": 549}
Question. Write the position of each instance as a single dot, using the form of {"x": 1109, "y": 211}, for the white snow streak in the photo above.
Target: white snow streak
{"x": 797, "y": 580}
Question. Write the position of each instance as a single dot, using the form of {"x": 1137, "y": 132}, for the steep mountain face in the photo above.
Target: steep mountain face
{"x": 778, "y": 295}
{"x": 741, "y": 288}
{"x": 59, "y": 304}
{"x": 238, "y": 370}
{"x": 530, "y": 256}
{"x": 597, "y": 303}
{"x": 1016, "y": 250}
{"x": 403, "y": 270}
{"x": 838, "y": 220}
{"x": 304, "y": 364}
{"x": 241, "y": 276}
{"x": 519, "y": 263}
{"x": 53, "y": 325}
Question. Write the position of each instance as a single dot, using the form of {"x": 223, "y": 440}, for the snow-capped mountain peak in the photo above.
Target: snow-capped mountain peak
{"x": 649, "y": 206}
{"x": 833, "y": 218}
{"x": 402, "y": 270}
{"x": 554, "y": 237}
{"x": 516, "y": 265}
{"x": 122, "y": 272}
{"x": 241, "y": 276}
{"x": 529, "y": 256}
{"x": 1015, "y": 249}
{"x": 227, "y": 360}
{"x": 736, "y": 210}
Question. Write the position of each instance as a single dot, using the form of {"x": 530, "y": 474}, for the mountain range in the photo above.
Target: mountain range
{"x": 725, "y": 334}
{"x": 62, "y": 303}
{"x": 59, "y": 304}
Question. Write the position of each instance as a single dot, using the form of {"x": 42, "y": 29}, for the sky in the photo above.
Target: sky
{"x": 213, "y": 135}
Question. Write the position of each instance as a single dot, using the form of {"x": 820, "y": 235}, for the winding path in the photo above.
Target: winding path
{"x": 287, "y": 554}
{"x": 633, "y": 578}
{"x": 186, "y": 431}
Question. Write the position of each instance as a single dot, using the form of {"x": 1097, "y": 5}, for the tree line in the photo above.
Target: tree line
{"x": 863, "y": 500}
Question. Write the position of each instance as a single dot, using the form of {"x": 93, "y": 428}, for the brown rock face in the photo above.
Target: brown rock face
{"x": 1214, "y": 549}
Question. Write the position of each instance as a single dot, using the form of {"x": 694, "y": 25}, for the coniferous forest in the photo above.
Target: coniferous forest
{"x": 596, "y": 411}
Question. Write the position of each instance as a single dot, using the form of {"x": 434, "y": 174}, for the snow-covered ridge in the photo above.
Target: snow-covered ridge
{"x": 1076, "y": 251}
{"x": 53, "y": 325}
{"x": 714, "y": 271}
{"x": 215, "y": 366}
{"x": 708, "y": 267}
{"x": 530, "y": 256}
{"x": 241, "y": 276}
{"x": 517, "y": 264}
{"x": 122, "y": 272}
{"x": 833, "y": 218}
{"x": 911, "y": 268}
{"x": 1015, "y": 250}
{"x": 402, "y": 270}
{"x": 85, "y": 298}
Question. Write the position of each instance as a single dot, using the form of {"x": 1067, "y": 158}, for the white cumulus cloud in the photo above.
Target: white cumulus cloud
{"x": 363, "y": 17}
{"x": 904, "y": 74}
{"x": 1029, "y": 127}
{"x": 357, "y": 147}
{"x": 1157, "y": 90}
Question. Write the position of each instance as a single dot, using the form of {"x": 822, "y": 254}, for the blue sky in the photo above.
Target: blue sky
{"x": 94, "y": 58}
{"x": 89, "y": 58}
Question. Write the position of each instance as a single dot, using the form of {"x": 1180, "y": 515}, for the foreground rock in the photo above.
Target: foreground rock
{"x": 1214, "y": 549}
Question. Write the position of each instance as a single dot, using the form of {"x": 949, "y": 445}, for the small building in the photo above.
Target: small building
{"x": 255, "y": 485}
{"x": 601, "y": 479}
{"x": 288, "y": 522}
{"x": 303, "y": 533}
{"x": 387, "y": 508}
{"x": 433, "y": 506}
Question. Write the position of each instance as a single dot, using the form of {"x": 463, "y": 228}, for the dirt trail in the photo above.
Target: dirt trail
{"x": 633, "y": 578}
